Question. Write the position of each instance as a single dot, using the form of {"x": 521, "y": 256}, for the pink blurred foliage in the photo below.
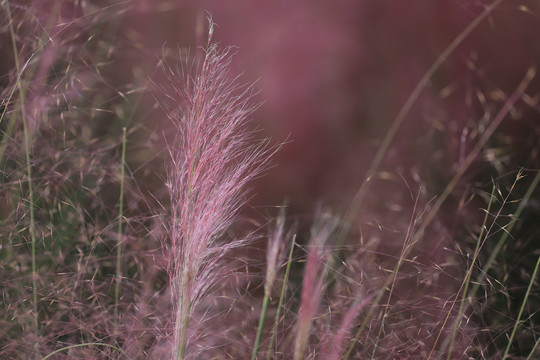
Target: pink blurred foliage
{"x": 336, "y": 73}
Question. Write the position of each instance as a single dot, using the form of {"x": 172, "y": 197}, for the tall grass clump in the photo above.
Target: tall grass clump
{"x": 213, "y": 157}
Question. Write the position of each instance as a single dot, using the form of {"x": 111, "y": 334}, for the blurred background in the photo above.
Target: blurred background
{"x": 333, "y": 76}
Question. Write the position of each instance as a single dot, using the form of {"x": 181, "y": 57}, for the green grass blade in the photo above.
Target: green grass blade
{"x": 281, "y": 297}
{"x": 533, "y": 349}
{"x": 260, "y": 328}
{"x": 27, "y": 150}
{"x": 120, "y": 231}
{"x": 468, "y": 278}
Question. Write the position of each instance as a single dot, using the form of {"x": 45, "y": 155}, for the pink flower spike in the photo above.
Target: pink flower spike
{"x": 212, "y": 160}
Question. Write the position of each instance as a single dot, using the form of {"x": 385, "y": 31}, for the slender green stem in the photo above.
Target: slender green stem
{"x": 397, "y": 268}
{"x": 281, "y": 298}
{"x": 32, "y": 234}
{"x": 533, "y": 349}
{"x": 516, "y": 324}
{"x": 260, "y": 328}
{"x": 273, "y": 256}
{"x": 120, "y": 231}
{"x": 84, "y": 345}
{"x": 27, "y": 150}
{"x": 468, "y": 279}
{"x": 181, "y": 333}
{"x": 183, "y": 337}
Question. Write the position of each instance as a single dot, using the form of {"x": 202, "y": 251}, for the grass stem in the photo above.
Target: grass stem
{"x": 467, "y": 280}
{"x": 183, "y": 335}
{"x": 281, "y": 299}
{"x": 262, "y": 320}
{"x": 27, "y": 150}
{"x": 120, "y": 230}
{"x": 533, "y": 349}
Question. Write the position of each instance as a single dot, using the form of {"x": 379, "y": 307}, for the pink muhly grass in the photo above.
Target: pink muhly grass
{"x": 313, "y": 282}
{"x": 213, "y": 159}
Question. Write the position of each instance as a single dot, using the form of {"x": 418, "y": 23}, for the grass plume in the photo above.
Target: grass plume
{"x": 213, "y": 159}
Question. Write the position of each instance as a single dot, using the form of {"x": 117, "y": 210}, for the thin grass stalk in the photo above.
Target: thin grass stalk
{"x": 534, "y": 349}
{"x": 32, "y": 236}
{"x": 31, "y": 230}
{"x": 398, "y": 267}
{"x": 467, "y": 280}
{"x": 183, "y": 331}
{"x": 518, "y": 319}
{"x": 260, "y": 328}
{"x": 186, "y": 301}
{"x": 520, "y": 89}
{"x": 281, "y": 298}
{"x": 505, "y": 201}
{"x": 120, "y": 223}
{"x": 275, "y": 240}
{"x": 27, "y": 150}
